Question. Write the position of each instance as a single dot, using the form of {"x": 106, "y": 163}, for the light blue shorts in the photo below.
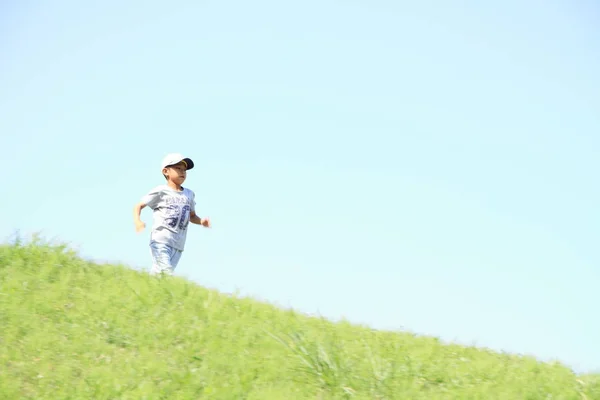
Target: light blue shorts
{"x": 164, "y": 258}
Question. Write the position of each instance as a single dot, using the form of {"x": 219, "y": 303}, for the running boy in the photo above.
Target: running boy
{"x": 174, "y": 207}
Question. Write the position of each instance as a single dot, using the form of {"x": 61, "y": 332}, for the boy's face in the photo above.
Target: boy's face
{"x": 176, "y": 173}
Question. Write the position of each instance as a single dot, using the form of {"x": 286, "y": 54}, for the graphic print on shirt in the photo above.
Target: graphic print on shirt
{"x": 177, "y": 213}
{"x": 185, "y": 217}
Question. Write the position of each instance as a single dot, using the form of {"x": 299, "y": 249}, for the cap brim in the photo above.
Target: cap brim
{"x": 188, "y": 162}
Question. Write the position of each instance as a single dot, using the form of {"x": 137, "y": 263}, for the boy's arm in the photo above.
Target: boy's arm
{"x": 195, "y": 219}
{"x": 137, "y": 210}
{"x": 152, "y": 200}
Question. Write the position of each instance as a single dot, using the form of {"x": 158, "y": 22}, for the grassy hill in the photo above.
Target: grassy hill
{"x": 71, "y": 329}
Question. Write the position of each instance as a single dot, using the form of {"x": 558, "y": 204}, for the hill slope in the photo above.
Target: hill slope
{"x": 75, "y": 330}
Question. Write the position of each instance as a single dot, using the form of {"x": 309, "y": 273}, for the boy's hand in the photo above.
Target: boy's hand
{"x": 139, "y": 226}
{"x": 195, "y": 219}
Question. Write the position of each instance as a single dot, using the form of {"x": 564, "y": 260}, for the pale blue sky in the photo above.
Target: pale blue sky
{"x": 423, "y": 165}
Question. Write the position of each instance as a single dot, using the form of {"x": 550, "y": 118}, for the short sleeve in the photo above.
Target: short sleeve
{"x": 192, "y": 201}
{"x": 152, "y": 198}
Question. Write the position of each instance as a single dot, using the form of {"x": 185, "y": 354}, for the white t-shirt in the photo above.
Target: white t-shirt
{"x": 171, "y": 214}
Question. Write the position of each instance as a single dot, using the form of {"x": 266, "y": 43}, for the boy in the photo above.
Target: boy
{"x": 174, "y": 207}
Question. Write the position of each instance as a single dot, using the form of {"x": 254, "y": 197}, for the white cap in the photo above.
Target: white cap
{"x": 174, "y": 158}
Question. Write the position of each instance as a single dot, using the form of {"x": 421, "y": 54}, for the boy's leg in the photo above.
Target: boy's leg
{"x": 164, "y": 258}
{"x": 175, "y": 258}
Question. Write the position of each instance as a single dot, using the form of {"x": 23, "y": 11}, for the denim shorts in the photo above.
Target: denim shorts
{"x": 164, "y": 258}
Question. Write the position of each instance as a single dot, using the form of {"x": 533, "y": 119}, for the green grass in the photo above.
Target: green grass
{"x": 70, "y": 329}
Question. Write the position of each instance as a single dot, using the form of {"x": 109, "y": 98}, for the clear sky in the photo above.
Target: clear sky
{"x": 426, "y": 165}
